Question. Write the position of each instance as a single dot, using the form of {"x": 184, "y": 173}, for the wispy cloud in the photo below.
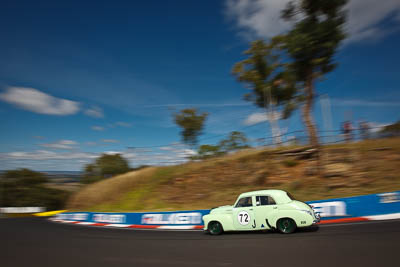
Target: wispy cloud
{"x": 257, "y": 18}
{"x": 363, "y": 103}
{"x": 167, "y": 148}
{"x": 261, "y": 18}
{"x": 364, "y": 17}
{"x": 397, "y": 17}
{"x": 62, "y": 144}
{"x": 95, "y": 112}
{"x": 40, "y": 155}
{"x": 377, "y": 126}
{"x": 91, "y": 143}
{"x": 197, "y": 105}
{"x": 36, "y": 101}
{"x": 255, "y": 118}
{"x": 97, "y": 128}
{"x": 123, "y": 124}
{"x": 49, "y": 159}
{"x": 112, "y": 125}
{"x": 110, "y": 141}
{"x": 259, "y": 117}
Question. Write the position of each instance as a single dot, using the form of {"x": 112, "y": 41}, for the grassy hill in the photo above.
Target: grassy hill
{"x": 349, "y": 169}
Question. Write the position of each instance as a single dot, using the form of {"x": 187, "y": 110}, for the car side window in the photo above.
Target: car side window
{"x": 264, "y": 200}
{"x": 271, "y": 201}
{"x": 244, "y": 202}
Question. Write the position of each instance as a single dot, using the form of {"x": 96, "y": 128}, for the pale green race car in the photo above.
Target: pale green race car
{"x": 261, "y": 210}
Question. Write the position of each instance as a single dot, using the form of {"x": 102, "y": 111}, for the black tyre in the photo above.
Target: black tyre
{"x": 215, "y": 228}
{"x": 286, "y": 226}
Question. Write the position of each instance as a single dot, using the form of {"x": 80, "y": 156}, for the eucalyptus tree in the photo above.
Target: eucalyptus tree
{"x": 192, "y": 124}
{"x": 271, "y": 86}
{"x": 311, "y": 43}
{"x": 284, "y": 71}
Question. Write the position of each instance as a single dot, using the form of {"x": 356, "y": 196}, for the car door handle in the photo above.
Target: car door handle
{"x": 275, "y": 208}
{"x": 250, "y": 209}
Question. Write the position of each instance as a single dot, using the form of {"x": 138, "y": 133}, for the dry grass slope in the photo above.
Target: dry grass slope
{"x": 109, "y": 190}
{"x": 350, "y": 169}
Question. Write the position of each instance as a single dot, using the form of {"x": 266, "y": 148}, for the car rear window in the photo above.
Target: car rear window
{"x": 264, "y": 200}
{"x": 290, "y": 196}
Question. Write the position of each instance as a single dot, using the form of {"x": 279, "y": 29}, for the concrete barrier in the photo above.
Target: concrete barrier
{"x": 19, "y": 211}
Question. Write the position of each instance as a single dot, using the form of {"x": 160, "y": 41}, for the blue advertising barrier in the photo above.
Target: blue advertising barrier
{"x": 350, "y": 207}
{"x": 359, "y": 206}
{"x": 169, "y": 218}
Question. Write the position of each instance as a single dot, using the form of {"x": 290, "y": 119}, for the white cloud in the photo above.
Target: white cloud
{"x": 365, "y": 15}
{"x": 167, "y": 148}
{"x": 39, "y": 102}
{"x": 128, "y": 155}
{"x": 91, "y": 143}
{"x": 257, "y": 18}
{"x": 111, "y": 125}
{"x": 258, "y": 117}
{"x": 261, "y": 18}
{"x": 95, "y": 112}
{"x": 112, "y": 152}
{"x": 97, "y": 128}
{"x": 109, "y": 141}
{"x": 55, "y": 160}
{"x": 377, "y": 126}
{"x": 40, "y": 155}
{"x": 62, "y": 144}
{"x": 212, "y": 105}
{"x": 123, "y": 124}
{"x": 186, "y": 152}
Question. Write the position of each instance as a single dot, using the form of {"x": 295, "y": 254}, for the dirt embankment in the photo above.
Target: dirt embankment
{"x": 349, "y": 169}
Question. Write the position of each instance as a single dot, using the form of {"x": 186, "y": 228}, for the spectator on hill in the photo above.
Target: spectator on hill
{"x": 364, "y": 130}
{"x": 347, "y": 129}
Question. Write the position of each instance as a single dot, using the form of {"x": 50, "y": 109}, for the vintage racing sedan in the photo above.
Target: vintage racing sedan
{"x": 261, "y": 210}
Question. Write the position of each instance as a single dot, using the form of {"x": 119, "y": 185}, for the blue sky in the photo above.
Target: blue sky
{"x": 78, "y": 78}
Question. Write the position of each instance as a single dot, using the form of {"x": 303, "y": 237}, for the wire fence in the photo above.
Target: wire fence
{"x": 301, "y": 137}
{"x": 182, "y": 153}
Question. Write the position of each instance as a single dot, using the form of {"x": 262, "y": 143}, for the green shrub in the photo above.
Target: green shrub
{"x": 290, "y": 163}
{"x": 25, "y": 188}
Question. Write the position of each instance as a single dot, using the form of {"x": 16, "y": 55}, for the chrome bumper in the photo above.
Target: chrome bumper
{"x": 317, "y": 218}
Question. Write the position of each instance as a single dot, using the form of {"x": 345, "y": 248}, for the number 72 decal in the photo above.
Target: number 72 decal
{"x": 243, "y": 218}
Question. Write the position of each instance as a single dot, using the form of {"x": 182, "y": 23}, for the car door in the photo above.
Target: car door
{"x": 265, "y": 208}
{"x": 243, "y": 214}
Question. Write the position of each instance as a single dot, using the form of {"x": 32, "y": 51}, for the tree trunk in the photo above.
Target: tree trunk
{"x": 275, "y": 130}
{"x": 308, "y": 121}
{"x": 271, "y": 115}
{"x": 307, "y": 118}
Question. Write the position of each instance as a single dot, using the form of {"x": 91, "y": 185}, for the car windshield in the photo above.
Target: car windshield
{"x": 244, "y": 202}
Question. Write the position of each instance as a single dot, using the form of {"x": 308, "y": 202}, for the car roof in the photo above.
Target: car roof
{"x": 279, "y": 195}
{"x": 266, "y": 191}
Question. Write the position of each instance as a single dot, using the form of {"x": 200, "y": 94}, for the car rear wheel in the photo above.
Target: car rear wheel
{"x": 215, "y": 228}
{"x": 286, "y": 226}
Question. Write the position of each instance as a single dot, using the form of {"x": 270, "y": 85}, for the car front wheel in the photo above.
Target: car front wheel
{"x": 215, "y": 228}
{"x": 286, "y": 226}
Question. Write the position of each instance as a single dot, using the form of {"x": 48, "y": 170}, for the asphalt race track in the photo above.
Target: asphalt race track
{"x": 39, "y": 242}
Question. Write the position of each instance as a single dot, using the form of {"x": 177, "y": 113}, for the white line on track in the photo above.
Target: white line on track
{"x": 355, "y": 223}
{"x": 117, "y": 226}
